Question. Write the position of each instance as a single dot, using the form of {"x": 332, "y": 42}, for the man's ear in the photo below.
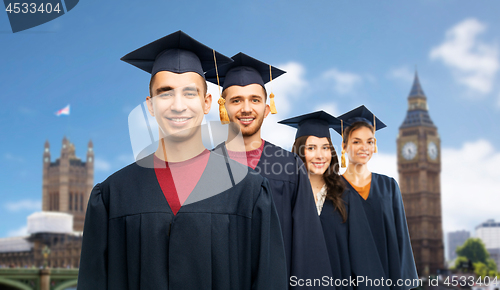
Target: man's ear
{"x": 267, "y": 111}
{"x": 149, "y": 102}
{"x": 207, "y": 103}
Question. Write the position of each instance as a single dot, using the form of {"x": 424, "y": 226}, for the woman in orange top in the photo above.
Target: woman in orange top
{"x": 378, "y": 242}
{"x": 365, "y": 225}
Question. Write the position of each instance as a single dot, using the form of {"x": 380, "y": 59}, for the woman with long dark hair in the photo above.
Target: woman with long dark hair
{"x": 314, "y": 146}
{"x": 365, "y": 224}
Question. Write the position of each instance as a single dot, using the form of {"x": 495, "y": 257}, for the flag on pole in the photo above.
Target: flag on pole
{"x": 63, "y": 111}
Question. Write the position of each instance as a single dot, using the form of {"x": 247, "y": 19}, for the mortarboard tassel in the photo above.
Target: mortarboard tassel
{"x": 271, "y": 96}
{"x": 224, "y": 118}
{"x": 375, "y": 129}
{"x": 342, "y": 157}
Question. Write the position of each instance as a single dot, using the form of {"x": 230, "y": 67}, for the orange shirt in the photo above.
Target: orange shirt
{"x": 364, "y": 191}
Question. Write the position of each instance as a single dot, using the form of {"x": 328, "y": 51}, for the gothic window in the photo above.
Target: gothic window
{"x": 415, "y": 184}
{"x": 76, "y": 202}
{"x": 70, "y": 201}
{"x": 81, "y": 202}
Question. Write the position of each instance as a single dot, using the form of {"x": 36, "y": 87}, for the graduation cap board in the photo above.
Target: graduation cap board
{"x": 178, "y": 53}
{"x": 313, "y": 124}
{"x": 243, "y": 71}
{"x": 360, "y": 114}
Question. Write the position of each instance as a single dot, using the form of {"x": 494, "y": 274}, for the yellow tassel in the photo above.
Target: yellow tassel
{"x": 342, "y": 157}
{"x": 272, "y": 104}
{"x": 376, "y": 148}
{"x": 224, "y": 118}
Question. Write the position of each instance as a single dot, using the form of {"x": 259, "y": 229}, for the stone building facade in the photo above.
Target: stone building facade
{"x": 67, "y": 182}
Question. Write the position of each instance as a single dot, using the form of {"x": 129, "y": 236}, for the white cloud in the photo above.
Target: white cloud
{"x": 289, "y": 87}
{"x": 25, "y": 204}
{"x": 473, "y": 62}
{"x": 101, "y": 165}
{"x": 343, "y": 82}
{"x": 470, "y": 185}
{"x": 22, "y": 231}
{"x": 331, "y": 108}
{"x": 14, "y": 158}
{"x": 401, "y": 73}
{"x": 278, "y": 134}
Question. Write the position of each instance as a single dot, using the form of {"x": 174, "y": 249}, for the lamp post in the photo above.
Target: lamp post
{"x": 45, "y": 254}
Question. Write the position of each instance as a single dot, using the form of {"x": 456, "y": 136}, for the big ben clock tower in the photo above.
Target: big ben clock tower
{"x": 419, "y": 167}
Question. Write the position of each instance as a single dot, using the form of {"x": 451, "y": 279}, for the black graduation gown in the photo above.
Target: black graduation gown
{"x": 305, "y": 245}
{"x": 374, "y": 242}
{"x": 223, "y": 237}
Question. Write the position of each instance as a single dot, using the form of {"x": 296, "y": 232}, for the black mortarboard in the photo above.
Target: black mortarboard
{"x": 360, "y": 114}
{"x": 243, "y": 71}
{"x": 313, "y": 124}
{"x": 176, "y": 52}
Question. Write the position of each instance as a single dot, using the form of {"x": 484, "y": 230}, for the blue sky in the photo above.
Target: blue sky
{"x": 338, "y": 54}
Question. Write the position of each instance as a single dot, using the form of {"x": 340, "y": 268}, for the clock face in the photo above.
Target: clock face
{"x": 432, "y": 150}
{"x": 409, "y": 150}
{"x": 46, "y": 159}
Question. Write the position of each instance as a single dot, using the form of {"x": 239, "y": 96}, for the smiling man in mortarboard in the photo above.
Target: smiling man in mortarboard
{"x": 244, "y": 98}
{"x": 182, "y": 217}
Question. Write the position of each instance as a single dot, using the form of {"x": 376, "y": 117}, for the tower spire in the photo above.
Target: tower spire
{"x": 416, "y": 89}
{"x": 417, "y": 114}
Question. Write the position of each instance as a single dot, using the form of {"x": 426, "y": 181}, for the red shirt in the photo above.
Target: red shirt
{"x": 178, "y": 179}
{"x": 249, "y": 158}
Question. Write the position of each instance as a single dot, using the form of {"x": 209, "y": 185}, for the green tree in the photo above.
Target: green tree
{"x": 474, "y": 250}
{"x": 458, "y": 261}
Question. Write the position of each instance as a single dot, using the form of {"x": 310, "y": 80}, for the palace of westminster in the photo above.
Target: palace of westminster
{"x": 68, "y": 181}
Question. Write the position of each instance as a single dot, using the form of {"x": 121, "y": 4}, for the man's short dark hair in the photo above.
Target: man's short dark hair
{"x": 205, "y": 88}
{"x": 265, "y": 94}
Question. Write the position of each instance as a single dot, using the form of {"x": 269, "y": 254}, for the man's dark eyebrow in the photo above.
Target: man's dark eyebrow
{"x": 235, "y": 97}
{"x": 163, "y": 89}
{"x": 241, "y": 97}
{"x": 190, "y": 88}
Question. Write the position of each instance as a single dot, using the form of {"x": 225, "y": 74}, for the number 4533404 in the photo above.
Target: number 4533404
{"x": 32, "y": 8}
{"x": 470, "y": 281}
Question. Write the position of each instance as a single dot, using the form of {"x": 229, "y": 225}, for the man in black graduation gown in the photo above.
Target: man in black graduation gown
{"x": 244, "y": 98}
{"x": 183, "y": 217}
